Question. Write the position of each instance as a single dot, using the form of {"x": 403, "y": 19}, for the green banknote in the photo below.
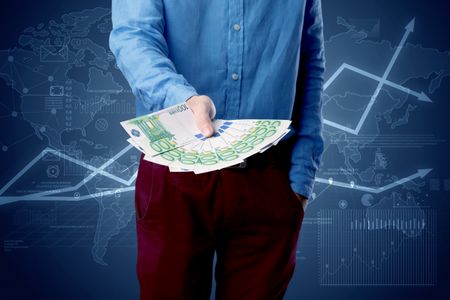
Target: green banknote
{"x": 170, "y": 137}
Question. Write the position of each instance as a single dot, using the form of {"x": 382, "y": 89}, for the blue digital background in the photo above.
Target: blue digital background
{"x": 377, "y": 226}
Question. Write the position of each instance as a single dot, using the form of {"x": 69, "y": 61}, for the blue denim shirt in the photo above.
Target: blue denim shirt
{"x": 255, "y": 59}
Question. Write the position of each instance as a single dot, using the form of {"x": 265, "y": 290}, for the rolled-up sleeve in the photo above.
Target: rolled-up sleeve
{"x": 307, "y": 117}
{"x": 139, "y": 46}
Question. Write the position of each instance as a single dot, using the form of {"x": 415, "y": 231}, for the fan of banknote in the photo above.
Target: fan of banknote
{"x": 170, "y": 137}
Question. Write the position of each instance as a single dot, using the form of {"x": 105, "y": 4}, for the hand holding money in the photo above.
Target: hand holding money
{"x": 172, "y": 137}
{"x": 202, "y": 107}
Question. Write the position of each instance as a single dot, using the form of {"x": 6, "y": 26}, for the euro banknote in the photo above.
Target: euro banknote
{"x": 170, "y": 137}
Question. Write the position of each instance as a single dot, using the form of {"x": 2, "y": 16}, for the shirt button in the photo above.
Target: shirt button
{"x": 237, "y": 27}
{"x": 235, "y": 76}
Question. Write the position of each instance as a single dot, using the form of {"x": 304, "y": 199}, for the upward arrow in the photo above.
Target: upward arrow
{"x": 423, "y": 172}
{"x": 420, "y": 173}
{"x": 408, "y": 29}
{"x": 410, "y": 26}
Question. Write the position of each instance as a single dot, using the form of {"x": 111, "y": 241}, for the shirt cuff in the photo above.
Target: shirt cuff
{"x": 302, "y": 179}
{"x": 303, "y": 188}
{"x": 177, "y": 94}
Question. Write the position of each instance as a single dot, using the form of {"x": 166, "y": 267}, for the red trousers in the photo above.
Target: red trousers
{"x": 250, "y": 217}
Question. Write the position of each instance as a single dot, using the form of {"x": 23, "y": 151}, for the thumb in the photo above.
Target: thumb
{"x": 203, "y": 109}
{"x": 204, "y": 123}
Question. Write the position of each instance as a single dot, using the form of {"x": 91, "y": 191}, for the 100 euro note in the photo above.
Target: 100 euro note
{"x": 249, "y": 137}
{"x": 170, "y": 137}
{"x": 232, "y": 142}
{"x": 164, "y": 130}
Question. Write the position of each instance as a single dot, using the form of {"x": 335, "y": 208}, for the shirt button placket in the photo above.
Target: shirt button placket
{"x": 235, "y": 52}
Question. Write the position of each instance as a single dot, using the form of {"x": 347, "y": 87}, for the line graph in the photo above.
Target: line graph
{"x": 51, "y": 194}
{"x": 100, "y": 171}
{"x": 44, "y": 195}
{"x": 421, "y": 96}
{"x": 375, "y": 190}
